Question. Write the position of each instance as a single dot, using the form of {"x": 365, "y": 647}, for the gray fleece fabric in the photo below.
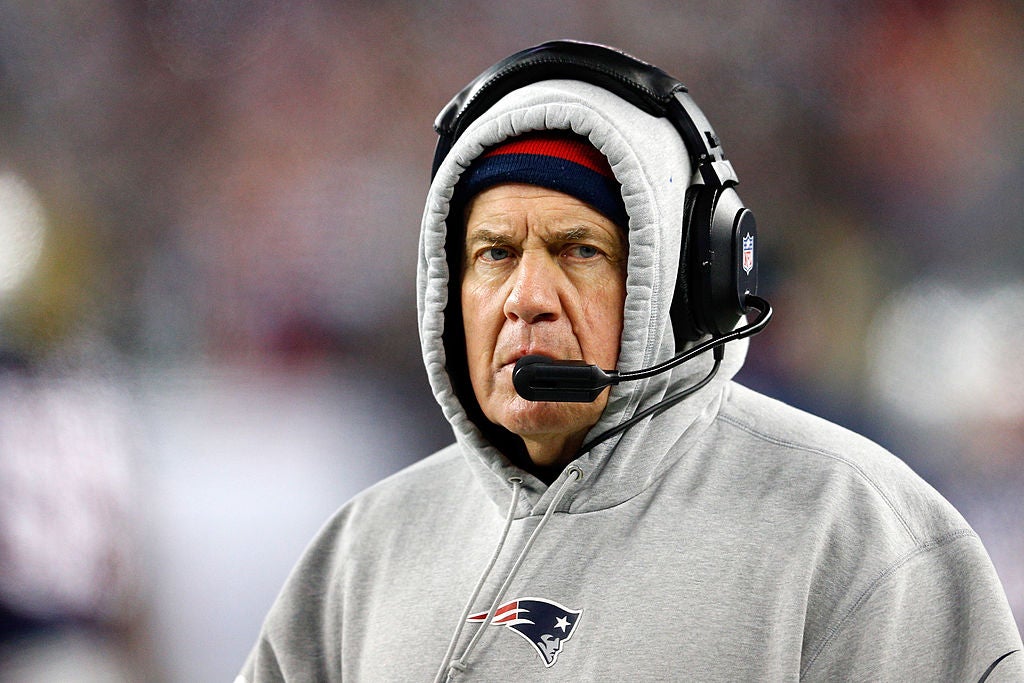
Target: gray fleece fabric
{"x": 730, "y": 538}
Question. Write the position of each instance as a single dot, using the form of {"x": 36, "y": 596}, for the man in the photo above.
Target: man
{"x": 678, "y": 526}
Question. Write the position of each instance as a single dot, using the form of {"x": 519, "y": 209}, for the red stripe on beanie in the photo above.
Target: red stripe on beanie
{"x": 577, "y": 150}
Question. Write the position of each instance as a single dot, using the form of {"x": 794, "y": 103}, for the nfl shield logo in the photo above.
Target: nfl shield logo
{"x": 748, "y": 253}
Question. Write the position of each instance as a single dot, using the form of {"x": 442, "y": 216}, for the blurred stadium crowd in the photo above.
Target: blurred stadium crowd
{"x": 208, "y": 225}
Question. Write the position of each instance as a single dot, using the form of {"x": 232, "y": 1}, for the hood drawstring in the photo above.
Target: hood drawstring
{"x": 517, "y": 487}
{"x": 450, "y": 666}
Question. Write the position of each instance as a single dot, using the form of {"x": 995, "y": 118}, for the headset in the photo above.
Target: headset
{"x": 717, "y": 278}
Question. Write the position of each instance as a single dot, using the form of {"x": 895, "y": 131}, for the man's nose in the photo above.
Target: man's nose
{"x": 535, "y": 290}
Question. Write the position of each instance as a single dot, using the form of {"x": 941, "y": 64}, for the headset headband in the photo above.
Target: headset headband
{"x": 643, "y": 85}
{"x": 717, "y": 265}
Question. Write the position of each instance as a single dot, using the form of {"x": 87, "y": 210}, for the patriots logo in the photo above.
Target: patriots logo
{"x": 544, "y": 624}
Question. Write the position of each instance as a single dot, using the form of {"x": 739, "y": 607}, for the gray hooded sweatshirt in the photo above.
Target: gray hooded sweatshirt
{"x": 730, "y": 538}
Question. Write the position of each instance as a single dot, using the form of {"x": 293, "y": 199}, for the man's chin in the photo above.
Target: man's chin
{"x": 544, "y": 419}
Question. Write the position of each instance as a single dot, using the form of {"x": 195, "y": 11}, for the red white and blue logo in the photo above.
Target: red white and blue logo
{"x": 544, "y": 624}
{"x": 748, "y": 253}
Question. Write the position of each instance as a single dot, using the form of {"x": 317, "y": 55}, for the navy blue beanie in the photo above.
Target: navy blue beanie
{"x": 558, "y": 160}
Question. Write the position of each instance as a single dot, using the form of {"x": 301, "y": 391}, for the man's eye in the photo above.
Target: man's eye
{"x": 496, "y": 254}
{"x": 584, "y": 251}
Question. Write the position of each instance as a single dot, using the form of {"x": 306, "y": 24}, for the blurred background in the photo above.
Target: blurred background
{"x": 208, "y": 224}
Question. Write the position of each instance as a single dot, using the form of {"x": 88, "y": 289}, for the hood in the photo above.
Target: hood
{"x": 651, "y": 164}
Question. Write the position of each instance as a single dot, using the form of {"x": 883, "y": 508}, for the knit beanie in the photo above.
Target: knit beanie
{"x": 558, "y": 160}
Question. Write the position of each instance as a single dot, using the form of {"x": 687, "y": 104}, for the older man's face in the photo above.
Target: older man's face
{"x": 544, "y": 274}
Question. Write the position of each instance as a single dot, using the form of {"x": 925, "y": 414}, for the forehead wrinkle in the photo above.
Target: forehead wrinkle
{"x": 498, "y": 238}
{"x": 504, "y": 238}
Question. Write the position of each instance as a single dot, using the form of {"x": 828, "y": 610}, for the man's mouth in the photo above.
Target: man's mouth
{"x": 511, "y": 360}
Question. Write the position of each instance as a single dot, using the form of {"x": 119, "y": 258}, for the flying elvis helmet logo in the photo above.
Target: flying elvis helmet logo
{"x": 544, "y": 624}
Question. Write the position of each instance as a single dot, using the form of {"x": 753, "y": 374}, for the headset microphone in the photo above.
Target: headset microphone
{"x": 539, "y": 378}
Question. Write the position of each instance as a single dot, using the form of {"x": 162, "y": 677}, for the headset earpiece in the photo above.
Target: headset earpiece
{"x": 720, "y": 265}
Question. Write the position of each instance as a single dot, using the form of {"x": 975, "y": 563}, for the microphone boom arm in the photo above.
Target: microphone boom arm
{"x": 539, "y": 378}
{"x": 748, "y": 330}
